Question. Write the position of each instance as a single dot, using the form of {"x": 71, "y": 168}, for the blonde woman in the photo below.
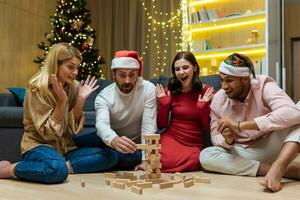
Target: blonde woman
{"x": 52, "y": 115}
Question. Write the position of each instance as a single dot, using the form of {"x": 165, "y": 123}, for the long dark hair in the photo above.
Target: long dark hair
{"x": 175, "y": 85}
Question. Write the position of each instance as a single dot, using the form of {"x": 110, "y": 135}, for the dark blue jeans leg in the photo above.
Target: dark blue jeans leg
{"x": 42, "y": 164}
{"x": 124, "y": 161}
{"x": 88, "y": 160}
{"x": 128, "y": 161}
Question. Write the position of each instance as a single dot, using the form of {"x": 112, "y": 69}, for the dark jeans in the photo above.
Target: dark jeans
{"x": 124, "y": 161}
{"x": 44, "y": 164}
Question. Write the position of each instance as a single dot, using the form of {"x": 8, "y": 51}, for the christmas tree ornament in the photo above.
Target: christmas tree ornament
{"x": 90, "y": 41}
{"x": 77, "y": 24}
{"x": 62, "y": 30}
{"x": 71, "y": 24}
{"x": 85, "y": 46}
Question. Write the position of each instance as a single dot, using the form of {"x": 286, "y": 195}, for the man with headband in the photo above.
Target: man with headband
{"x": 125, "y": 110}
{"x": 254, "y": 126}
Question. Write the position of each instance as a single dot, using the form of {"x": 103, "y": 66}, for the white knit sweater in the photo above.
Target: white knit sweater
{"x": 119, "y": 114}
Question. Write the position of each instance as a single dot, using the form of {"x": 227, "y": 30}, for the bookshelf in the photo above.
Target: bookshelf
{"x": 217, "y": 28}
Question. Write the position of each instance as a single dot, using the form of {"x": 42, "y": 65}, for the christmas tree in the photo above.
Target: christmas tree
{"x": 71, "y": 24}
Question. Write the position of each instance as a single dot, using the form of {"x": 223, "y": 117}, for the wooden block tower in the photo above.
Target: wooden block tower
{"x": 152, "y": 157}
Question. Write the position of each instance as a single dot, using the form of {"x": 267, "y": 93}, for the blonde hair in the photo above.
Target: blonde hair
{"x": 57, "y": 55}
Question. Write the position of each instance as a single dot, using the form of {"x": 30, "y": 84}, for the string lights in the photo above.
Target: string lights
{"x": 158, "y": 33}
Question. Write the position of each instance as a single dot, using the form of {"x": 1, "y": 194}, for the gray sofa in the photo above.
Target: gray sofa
{"x": 11, "y": 118}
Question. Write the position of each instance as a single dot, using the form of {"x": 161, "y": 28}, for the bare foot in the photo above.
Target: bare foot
{"x": 272, "y": 180}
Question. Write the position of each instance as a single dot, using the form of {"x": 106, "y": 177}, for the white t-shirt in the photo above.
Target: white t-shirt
{"x": 130, "y": 115}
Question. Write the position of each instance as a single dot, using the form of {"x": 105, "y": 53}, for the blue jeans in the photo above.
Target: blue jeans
{"x": 44, "y": 164}
{"x": 124, "y": 161}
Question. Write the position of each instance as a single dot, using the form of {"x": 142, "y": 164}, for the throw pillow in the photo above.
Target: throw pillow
{"x": 19, "y": 94}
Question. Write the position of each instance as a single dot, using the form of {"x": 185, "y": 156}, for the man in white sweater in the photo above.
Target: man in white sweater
{"x": 125, "y": 110}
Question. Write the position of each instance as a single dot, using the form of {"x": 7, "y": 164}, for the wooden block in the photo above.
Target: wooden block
{"x": 133, "y": 178}
{"x": 188, "y": 183}
{"x": 180, "y": 175}
{"x": 143, "y": 176}
{"x": 151, "y": 136}
{"x": 118, "y": 185}
{"x": 172, "y": 177}
{"x": 128, "y": 174}
{"x": 198, "y": 179}
{"x": 152, "y": 156}
{"x": 144, "y": 184}
{"x": 136, "y": 189}
{"x": 166, "y": 185}
{"x": 107, "y": 181}
{"x": 188, "y": 179}
{"x": 110, "y": 175}
{"x": 148, "y": 146}
{"x": 122, "y": 180}
{"x": 130, "y": 183}
{"x": 153, "y": 180}
{"x": 82, "y": 183}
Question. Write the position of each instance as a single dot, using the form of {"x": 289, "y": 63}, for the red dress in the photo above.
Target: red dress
{"x": 183, "y": 138}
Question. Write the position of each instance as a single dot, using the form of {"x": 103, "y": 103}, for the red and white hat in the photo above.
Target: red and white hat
{"x": 127, "y": 60}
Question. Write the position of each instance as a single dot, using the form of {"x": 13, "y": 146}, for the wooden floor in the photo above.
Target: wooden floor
{"x": 221, "y": 187}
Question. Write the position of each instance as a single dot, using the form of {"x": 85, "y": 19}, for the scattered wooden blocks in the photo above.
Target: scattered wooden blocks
{"x": 188, "y": 183}
{"x": 166, "y": 185}
{"x": 136, "y": 189}
{"x": 134, "y": 182}
{"x": 118, "y": 185}
{"x": 122, "y": 180}
{"x": 144, "y": 185}
{"x": 198, "y": 179}
{"x": 110, "y": 175}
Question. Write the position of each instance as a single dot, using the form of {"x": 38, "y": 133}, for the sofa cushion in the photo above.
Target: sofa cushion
{"x": 11, "y": 117}
{"x": 163, "y": 80}
{"x": 90, "y": 101}
{"x": 7, "y": 100}
{"x": 19, "y": 94}
{"x": 212, "y": 80}
{"x": 90, "y": 118}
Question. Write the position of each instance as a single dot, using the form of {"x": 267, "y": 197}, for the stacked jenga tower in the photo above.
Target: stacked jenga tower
{"x": 152, "y": 157}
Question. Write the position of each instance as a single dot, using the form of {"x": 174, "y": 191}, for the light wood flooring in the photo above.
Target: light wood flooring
{"x": 221, "y": 187}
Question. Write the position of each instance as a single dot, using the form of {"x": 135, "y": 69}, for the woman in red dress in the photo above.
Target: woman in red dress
{"x": 187, "y": 100}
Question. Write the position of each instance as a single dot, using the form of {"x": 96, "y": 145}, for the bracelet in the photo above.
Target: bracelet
{"x": 239, "y": 126}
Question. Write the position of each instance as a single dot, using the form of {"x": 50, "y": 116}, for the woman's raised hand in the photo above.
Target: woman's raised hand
{"x": 160, "y": 92}
{"x": 87, "y": 87}
{"x": 59, "y": 92}
{"x": 207, "y": 96}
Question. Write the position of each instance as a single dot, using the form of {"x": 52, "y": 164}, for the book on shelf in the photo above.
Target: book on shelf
{"x": 204, "y": 15}
{"x": 199, "y": 45}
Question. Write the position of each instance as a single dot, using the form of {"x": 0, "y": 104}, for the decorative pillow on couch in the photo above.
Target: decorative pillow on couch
{"x": 19, "y": 94}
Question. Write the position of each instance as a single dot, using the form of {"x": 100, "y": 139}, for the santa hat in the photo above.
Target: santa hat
{"x": 127, "y": 60}
{"x": 236, "y": 65}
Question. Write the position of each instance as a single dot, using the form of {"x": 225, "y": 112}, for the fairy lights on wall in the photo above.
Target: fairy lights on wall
{"x": 158, "y": 33}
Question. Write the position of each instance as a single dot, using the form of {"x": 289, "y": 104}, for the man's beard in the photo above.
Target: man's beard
{"x": 126, "y": 87}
